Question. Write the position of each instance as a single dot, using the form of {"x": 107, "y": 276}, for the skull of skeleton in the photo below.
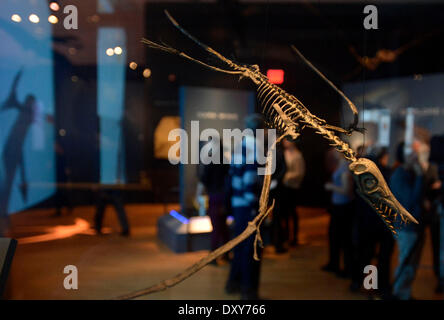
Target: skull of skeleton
{"x": 373, "y": 188}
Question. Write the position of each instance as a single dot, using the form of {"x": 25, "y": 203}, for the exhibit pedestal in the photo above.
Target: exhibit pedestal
{"x": 184, "y": 235}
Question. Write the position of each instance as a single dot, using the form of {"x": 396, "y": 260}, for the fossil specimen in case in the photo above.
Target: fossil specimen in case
{"x": 289, "y": 116}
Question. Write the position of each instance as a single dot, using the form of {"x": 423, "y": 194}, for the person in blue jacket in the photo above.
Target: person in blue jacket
{"x": 407, "y": 185}
{"x": 246, "y": 187}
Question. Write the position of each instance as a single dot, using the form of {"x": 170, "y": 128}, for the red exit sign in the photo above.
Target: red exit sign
{"x": 275, "y": 76}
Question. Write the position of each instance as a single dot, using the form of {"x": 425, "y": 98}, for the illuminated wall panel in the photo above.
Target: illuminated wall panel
{"x": 27, "y": 160}
{"x": 111, "y": 63}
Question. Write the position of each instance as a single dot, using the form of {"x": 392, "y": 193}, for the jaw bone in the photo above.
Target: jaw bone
{"x": 372, "y": 187}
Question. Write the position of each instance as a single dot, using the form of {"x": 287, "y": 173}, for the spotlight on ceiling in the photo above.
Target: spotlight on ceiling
{"x": 53, "y": 19}
{"x": 34, "y": 18}
{"x": 118, "y": 50}
{"x": 147, "y": 73}
{"x": 16, "y": 18}
{"x": 133, "y": 65}
{"x": 54, "y": 6}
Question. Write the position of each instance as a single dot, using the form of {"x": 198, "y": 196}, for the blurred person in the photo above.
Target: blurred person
{"x": 12, "y": 159}
{"x": 372, "y": 233}
{"x": 341, "y": 219}
{"x": 361, "y": 151}
{"x": 406, "y": 184}
{"x": 294, "y": 174}
{"x": 432, "y": 211}
{"x": 331, "y": 161}
{"x": 212, "y": 176}
{"x": 279, "y": 216}
{"x": 437, "y": 157}
{"x": 114, "y": 197}
{"x": 246, "y": 188}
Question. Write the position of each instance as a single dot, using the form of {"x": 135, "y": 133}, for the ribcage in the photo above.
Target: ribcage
{"x": 269, "y": 94}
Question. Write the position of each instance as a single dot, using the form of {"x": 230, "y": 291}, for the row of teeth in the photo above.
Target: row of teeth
{"x": 385, "y": 211}
{"x": 383, "y": 208}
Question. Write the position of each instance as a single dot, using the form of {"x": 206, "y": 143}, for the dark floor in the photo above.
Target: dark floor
{"x": 111, "y": 265}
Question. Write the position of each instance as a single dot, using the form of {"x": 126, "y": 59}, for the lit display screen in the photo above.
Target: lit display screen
{"x": 27, "y": 158}
{"x": 111, "y": 62}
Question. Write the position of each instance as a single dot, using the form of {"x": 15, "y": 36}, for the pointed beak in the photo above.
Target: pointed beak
{"x": 373, "y": 188}
{"x": 405, "y": 215}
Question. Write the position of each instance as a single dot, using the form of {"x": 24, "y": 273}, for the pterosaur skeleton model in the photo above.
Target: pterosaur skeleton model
{"x": 276, "y": 102}
{"x": 289, "y": 116}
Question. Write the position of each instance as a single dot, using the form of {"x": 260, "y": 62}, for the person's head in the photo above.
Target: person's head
{"x": 411, "y": 162}
{"x": 400, "y": 153}
{"x": 423, "y": 152}
{"x": 382, "y": 156}
{"x": 416, "y": 145}
{"x": 338, "y": 156}
{"x": 30, "y": 101}
{"x": 361, "y": 151}
{"x": 289, "y": 144}
{"x": 331, "y": 163}
{"x": 254, "y": 121}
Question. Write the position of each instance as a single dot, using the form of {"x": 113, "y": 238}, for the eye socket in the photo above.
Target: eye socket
{"x": 369, "y": 182}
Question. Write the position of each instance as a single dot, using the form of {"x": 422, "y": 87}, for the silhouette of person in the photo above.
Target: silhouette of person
{"x": 110, "y": 195}
{"x": 12, "y": 154}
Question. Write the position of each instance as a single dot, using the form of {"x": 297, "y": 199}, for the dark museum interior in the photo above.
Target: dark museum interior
{"x": 96, "y": 201}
